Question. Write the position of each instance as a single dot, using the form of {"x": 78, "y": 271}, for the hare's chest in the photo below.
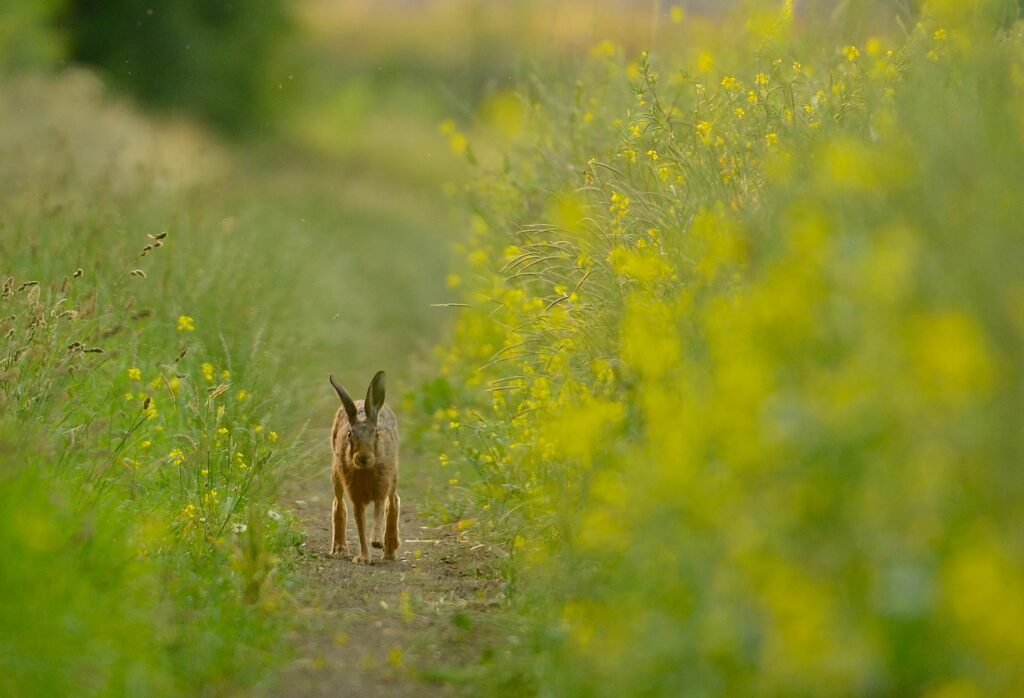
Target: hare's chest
{"x": 366, "y": 485}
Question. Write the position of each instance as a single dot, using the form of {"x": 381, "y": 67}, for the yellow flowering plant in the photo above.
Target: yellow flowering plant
{"x": 768, "y": 448}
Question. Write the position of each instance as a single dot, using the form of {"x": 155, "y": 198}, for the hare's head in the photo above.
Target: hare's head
{"x": 360, "y": 447}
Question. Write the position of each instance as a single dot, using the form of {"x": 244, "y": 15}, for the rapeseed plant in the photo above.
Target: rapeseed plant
{"x": 743, "y": 411}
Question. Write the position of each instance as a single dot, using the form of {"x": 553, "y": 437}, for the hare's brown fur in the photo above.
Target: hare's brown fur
{"x": 373, "y": 439}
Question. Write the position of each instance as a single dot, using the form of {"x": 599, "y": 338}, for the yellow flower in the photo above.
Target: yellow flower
{"x": 458, "y": 143}
{"x": 207, "y": 369}
{"x": 134, "y": 374}
{"x": 771, "y": 139}
{"x": 761, "y": 79}
{"x": 652, "y": 154}
{"x": 730, "y": 83}
{"x": 222, "y": 431}
{"x": 604, "y": 49}
{"x": 952, "y": 358}
{"x": 225, "y": 374}
{"x": 620, "y": 205}
{"x": 146, "y": 443}
{"x": 940, "y": 34}
{"x": 242, "y": 394}
{"x": 852, "y": 53}
{"x": 176, "y": 456}
{"x": 186, "y": 323}
{"x": 740, "y": 112}
{"x": 272, "y": 437}
{"x": 395, "y": 656}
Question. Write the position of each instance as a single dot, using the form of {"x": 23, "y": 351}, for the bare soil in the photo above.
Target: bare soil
{"x": 411, "y": 627}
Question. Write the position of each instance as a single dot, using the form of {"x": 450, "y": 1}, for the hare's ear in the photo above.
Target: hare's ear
{"x": 346, "y": 401}
{"x": 374, "y": 397}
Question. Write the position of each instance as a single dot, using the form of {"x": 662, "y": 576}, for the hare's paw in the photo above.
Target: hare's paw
{"x": 362, "y": 559}
{"x": 389, "y": 555}
{"x": 339, "y": 550}
{"x": 377, "y": 543}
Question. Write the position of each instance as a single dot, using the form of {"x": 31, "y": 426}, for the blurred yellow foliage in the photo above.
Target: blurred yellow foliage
{"x": 752, "y": 397}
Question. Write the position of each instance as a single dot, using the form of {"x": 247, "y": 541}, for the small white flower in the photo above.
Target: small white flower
{"x": 276, "y": 516}
{"x": 239, "y": 528}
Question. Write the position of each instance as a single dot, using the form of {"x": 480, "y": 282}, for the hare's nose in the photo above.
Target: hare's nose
{"x": 361, "y": 461}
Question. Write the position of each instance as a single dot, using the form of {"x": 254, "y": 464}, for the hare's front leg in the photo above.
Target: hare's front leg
{"x": 360, "y": 514}
{"x": 391, "y": 531}
{"x": 339, "y": 520}
{"x": 378, "y": 523}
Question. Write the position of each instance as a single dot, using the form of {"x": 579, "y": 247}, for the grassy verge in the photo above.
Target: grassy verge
{"x": 167, "y": 311}
{"x": 139, "y": 466}
{"x": 738, "y": 368}
{"x": 140, "y": 445}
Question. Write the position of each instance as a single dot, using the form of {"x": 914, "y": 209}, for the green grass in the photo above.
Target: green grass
{"x": 137, "y": 528}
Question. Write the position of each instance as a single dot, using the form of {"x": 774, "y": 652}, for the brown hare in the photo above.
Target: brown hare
{"x": 364, "y": 440}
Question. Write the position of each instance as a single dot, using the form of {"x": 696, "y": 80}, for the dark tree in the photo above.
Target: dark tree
{"x": 217, "y": 58}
